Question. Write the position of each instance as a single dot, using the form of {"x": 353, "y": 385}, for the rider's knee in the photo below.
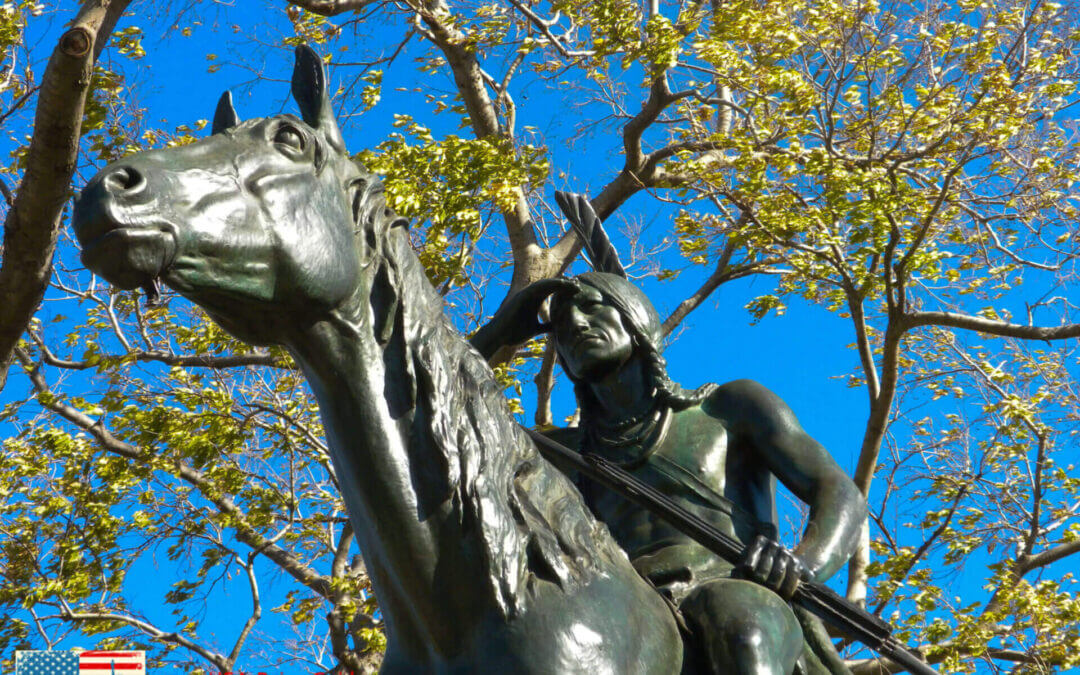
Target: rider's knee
{"x": 743, "y": 627}
{"x": 748, "y": 638}
{"x": 741, "y": 600}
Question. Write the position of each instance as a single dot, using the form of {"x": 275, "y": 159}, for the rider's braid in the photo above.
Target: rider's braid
{"x": 668, "y": 391}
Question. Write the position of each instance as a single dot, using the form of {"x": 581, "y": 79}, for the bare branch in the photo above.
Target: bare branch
{"x": 33, "y": 223}
{"x": 331, "y": 7}
{"x": 991, "y": 326}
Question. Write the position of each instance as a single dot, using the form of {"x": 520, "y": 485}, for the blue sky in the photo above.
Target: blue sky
{"x": 802, "y": 355}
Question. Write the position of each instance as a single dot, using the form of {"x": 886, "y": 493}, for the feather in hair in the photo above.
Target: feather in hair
{"x": 599, "y": 249}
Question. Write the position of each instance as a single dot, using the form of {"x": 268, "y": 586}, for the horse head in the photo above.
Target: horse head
{"x": 266, "y": 223}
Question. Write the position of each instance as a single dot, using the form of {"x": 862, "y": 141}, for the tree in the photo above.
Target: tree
{"x": 909, "y": 167}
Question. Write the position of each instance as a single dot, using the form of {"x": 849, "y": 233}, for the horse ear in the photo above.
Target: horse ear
{"x": 313, "y": 96}
{"x": 225, "y": 116}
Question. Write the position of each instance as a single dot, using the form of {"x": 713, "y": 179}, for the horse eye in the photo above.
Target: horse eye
{"x": 290, "y": 137}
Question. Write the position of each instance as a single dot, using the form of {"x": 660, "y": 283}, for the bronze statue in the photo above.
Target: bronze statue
{"x": 716, "y": 450}
{"x": 484, "y": 557}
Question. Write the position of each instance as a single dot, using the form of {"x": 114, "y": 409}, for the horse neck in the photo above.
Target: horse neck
{"x": 412, "y": 415}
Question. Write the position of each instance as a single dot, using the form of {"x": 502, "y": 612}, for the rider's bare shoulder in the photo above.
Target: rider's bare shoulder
{"x": 748, "y": 406}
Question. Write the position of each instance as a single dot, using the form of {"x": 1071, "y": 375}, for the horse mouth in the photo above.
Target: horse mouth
{"x": 130, "y": 256}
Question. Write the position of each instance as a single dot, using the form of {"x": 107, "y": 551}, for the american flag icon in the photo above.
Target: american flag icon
{"x": 56, "y": 662}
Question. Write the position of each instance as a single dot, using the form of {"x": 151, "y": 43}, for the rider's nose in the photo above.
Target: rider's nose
{"x": 577, "y": 320}
{"x": 123, "y": 181}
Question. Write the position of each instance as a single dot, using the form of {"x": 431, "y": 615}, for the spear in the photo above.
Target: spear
{"x": 816, "y": 598}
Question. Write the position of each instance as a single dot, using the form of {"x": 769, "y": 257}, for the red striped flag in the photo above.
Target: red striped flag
{"x": 112, "y": 663}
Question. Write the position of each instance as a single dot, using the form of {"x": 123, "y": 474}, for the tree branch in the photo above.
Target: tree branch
{"x": 862, "y": 341}
{"x": 876, "y": 426}
{"x": 990, "y": 326}
{"x": 18, "y": 103}
{"x": 1029, "y": 563}
{"x": 335, "y": 619}
{"x": 925, "y": 546}
{"x": 885, "y": 666}
{"x": 545, "y": 28}
{"x": 721, "y": 275}
{"x": 151, "y": 630}
{"x": 33, "y": 223}
{"x": 256, "y": 608}
{"x": 244, "y": 532}
{"x": 184, "y": 360}
{"x": 545, "y": 384}
{"x": 629, "y": 179}
{"x": 529, "y": 263}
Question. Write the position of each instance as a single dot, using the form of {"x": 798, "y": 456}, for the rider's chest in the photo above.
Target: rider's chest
{"x": 696, "y": 444}
{"x": 690, "y": 459}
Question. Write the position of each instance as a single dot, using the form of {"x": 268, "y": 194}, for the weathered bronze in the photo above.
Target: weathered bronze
{"x": 483, "y": 556}
{"x": 716, "y": 452}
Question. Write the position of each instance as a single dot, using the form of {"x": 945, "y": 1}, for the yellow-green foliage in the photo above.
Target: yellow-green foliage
{"x": 451, "y": 187}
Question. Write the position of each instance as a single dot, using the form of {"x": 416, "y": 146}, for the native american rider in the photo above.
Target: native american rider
{"x": 717, "y": 450}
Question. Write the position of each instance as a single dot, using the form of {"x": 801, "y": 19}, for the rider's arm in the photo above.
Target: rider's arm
{"x": 516, "y": 321}
{"x": 837, "y": 509}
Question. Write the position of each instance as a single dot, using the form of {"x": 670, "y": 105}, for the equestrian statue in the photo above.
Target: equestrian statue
{"x": 484, "y": 555}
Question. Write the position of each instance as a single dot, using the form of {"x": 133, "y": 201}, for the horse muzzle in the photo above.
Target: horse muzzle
{"x": 122, "y": 235}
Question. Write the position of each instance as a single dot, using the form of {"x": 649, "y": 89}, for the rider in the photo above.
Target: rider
{"x": 716, "y": 450}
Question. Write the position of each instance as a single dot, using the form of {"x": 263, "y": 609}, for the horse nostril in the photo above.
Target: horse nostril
{"x": 124, "y": 179}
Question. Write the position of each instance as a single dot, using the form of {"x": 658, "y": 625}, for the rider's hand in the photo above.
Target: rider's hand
{"x": 773, "y": 566}
{"x": 517, "y": 320}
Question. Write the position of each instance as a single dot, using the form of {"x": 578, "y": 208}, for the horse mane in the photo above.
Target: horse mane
{"x": 468, "y": 451}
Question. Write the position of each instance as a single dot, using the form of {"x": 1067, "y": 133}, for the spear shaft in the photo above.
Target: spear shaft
{"x": 816, "y": 598}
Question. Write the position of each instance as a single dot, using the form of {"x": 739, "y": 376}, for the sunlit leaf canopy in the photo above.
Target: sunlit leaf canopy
{"x": 887, "y": 188}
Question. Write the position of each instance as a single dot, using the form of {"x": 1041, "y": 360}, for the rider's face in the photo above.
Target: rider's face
{"x": 589, "y": 335}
